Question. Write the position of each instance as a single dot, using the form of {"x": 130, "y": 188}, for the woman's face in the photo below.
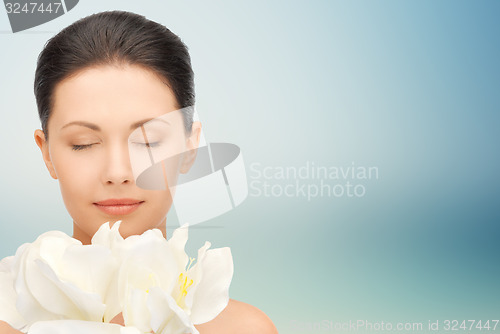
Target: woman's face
{"x": 94, "y": 113}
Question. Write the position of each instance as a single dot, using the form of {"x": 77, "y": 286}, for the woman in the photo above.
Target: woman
{"x": 97, "y": 81}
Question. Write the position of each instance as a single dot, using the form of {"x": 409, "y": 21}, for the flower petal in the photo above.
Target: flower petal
{"x": 65, "y": 299}
{"x": 166, "y": 316}
{"x": 214, "y": 273}
{"x": 89, "y": 267}
{"x": 108, "y": 237}
{"x": 8, "y": 310}
{"x": 79, "y": 327}
{"x": 136, "y": 312}
{"x": 178, "y": 243}
{"x": 43, "y": 294}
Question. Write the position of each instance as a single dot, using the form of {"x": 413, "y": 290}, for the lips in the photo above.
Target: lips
{"x": 119, "y": 206}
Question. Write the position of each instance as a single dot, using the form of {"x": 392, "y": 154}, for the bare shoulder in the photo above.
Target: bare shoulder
{"x": 241, "y": 318}
{"x": 6, "y": 329}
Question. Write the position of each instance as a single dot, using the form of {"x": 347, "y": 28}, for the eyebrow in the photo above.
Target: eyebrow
{"x": 97, "y": 128}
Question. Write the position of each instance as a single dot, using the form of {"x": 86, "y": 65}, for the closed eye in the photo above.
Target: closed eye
{"x": 81, "y": 147}
{"x": 150, "y": 145}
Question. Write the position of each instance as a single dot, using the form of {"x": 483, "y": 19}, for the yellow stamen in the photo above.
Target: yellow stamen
{"x": 183, "y": 286}
{"x": 152, "y": 281}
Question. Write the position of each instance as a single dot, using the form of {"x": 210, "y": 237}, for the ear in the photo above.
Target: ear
{"x": 192, "y": 144}
{"x": 43, "y": 144}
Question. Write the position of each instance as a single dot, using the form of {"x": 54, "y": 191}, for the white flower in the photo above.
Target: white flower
{"x": 8, "y": 296}
{"x": 56, "y": 277}
{"x": 57, "y": 285}
{"x": 79, "y": 327}
{"x": 158, "y": 287}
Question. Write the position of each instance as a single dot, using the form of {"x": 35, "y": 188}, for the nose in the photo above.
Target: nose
{"x": 117, "y": 167}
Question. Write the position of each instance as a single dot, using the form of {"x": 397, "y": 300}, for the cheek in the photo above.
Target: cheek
{"x": 75, "y": 176}
{"x": 171, "y": 168}
{"x": 160, "y": 200}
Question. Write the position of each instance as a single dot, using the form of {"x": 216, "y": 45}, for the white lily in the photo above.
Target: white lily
{"x": 56, "y": 277}
{"x": 79, "y": 327}
{"x": 202, "y": 290}
{"x": 57, "y": 285}
{"x": 8, "y": 296}
{"x": 159, "y": 289}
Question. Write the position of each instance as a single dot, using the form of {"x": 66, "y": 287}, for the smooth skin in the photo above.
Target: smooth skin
{"x": 94, "y": 113}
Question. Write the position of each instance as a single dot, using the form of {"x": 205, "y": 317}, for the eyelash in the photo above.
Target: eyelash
{"x": 81, "y": 147}
{"x": 84, "y": 147}
{"x": 150, "y": 145}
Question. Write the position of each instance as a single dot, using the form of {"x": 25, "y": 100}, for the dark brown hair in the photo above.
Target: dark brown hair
{"x": 114, "y": 37}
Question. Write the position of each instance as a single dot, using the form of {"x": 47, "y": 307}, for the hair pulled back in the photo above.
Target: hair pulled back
{"x": 113, "y": 38}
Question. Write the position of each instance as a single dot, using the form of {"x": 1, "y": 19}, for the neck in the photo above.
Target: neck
{"x": 86, "y": 239}
{"x": 163, "y": 227}
{"x": 79, "y": 234}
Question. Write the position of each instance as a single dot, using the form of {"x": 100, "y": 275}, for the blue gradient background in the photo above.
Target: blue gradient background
{"x": 411, "y": 87}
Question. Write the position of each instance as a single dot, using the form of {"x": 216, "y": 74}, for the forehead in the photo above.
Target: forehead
{"x": 124, "y": 93}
